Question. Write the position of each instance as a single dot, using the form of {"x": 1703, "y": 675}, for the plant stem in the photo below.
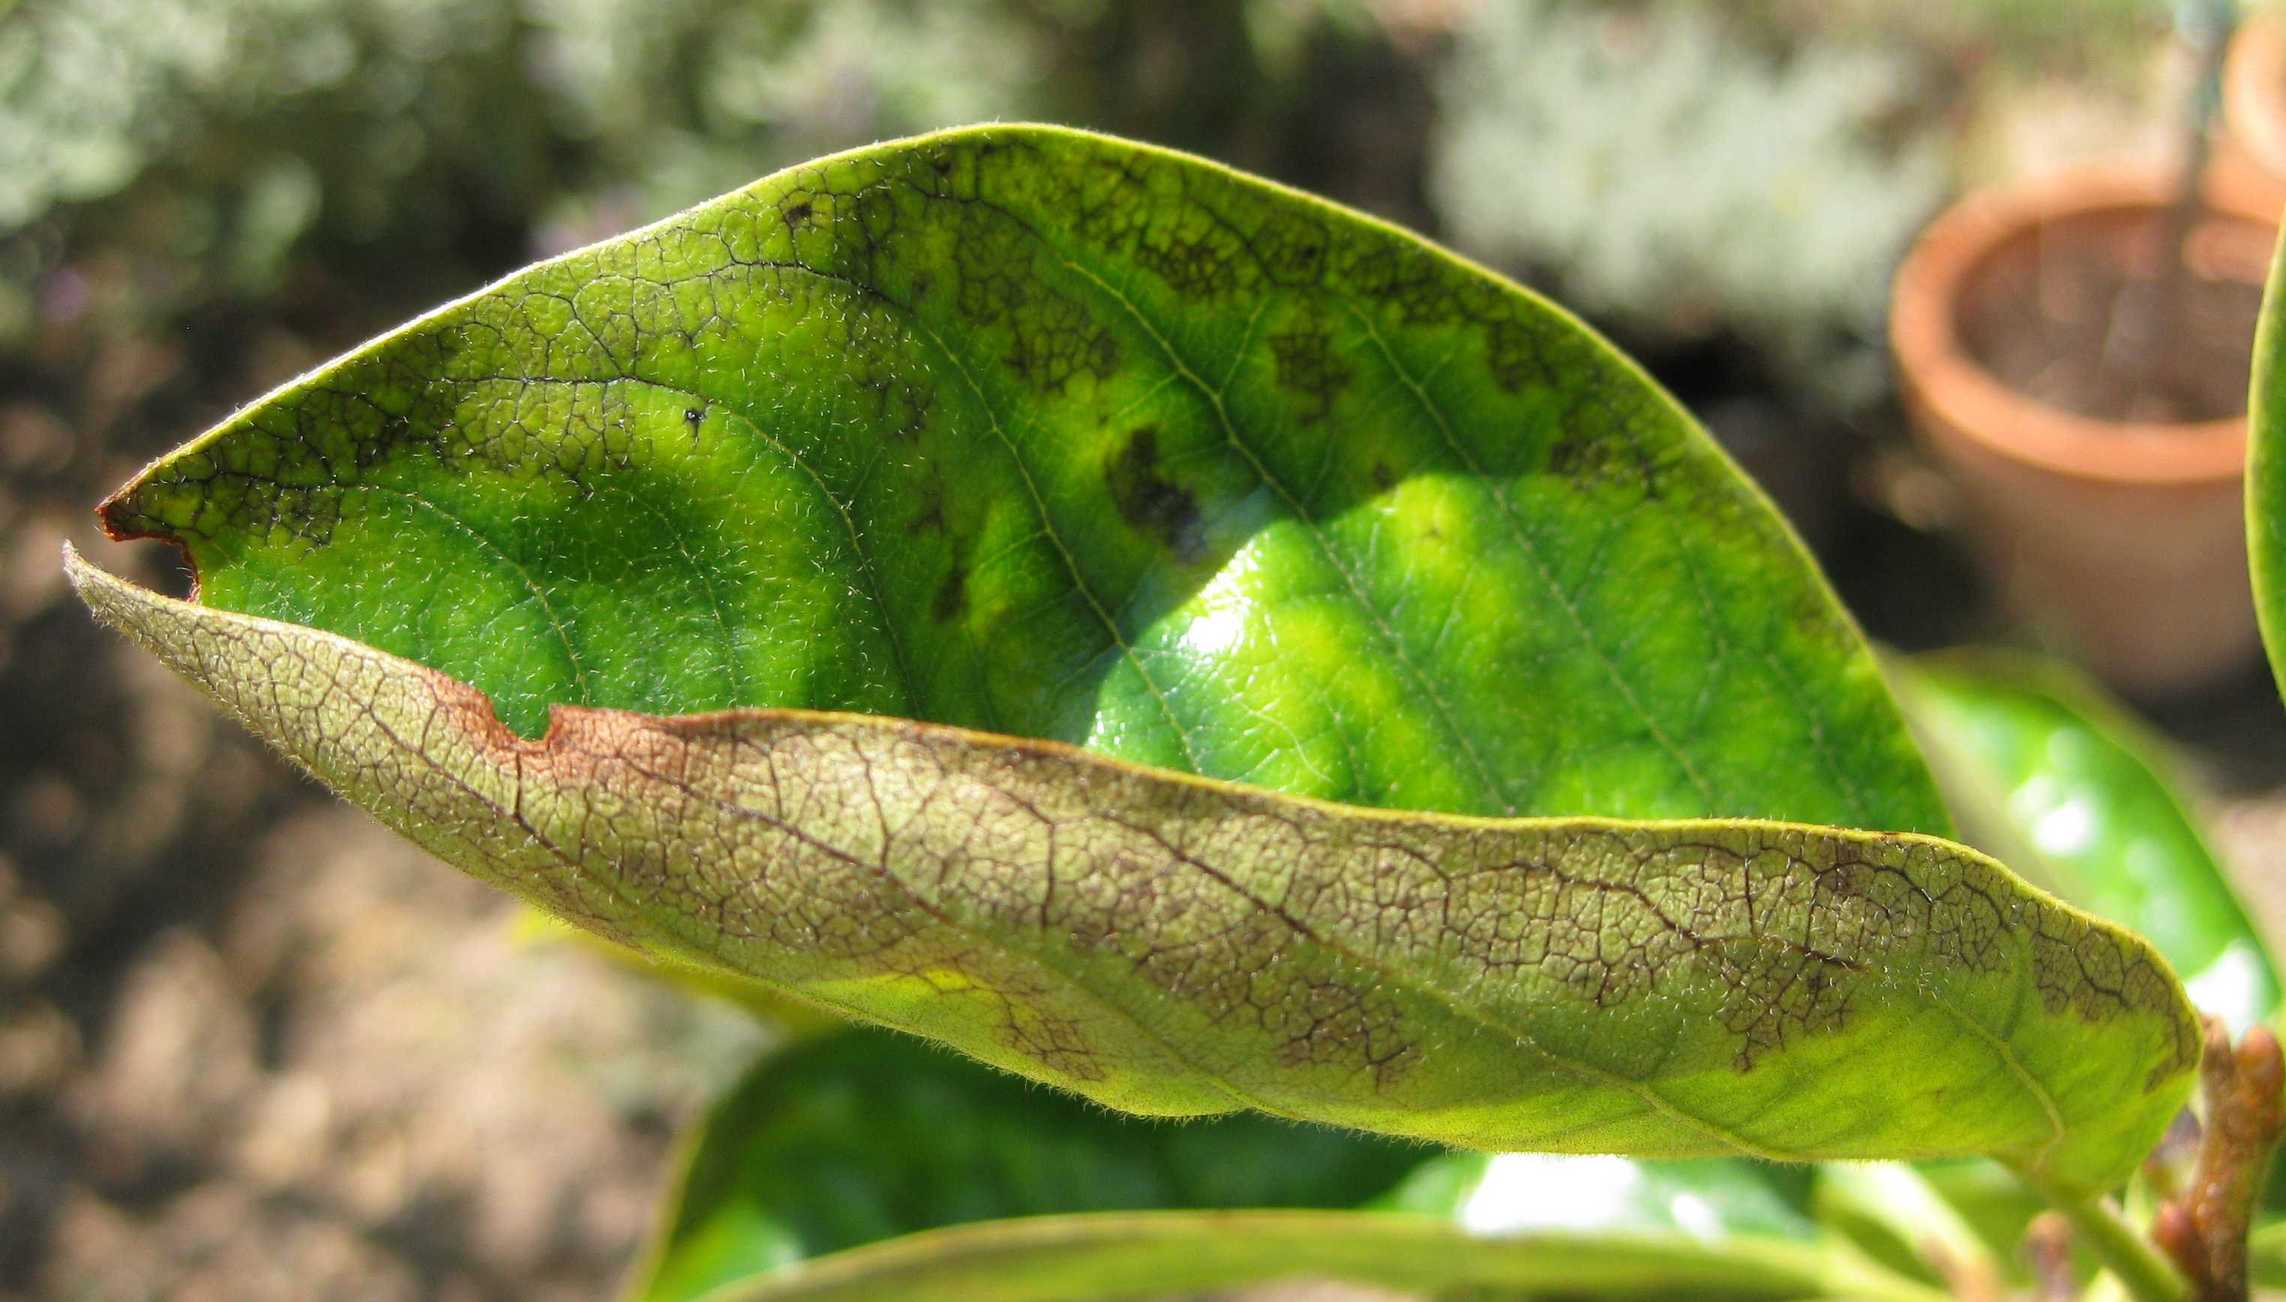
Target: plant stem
{"x": 2125, "y": 1250}
{"x": 2203, "y": 1229}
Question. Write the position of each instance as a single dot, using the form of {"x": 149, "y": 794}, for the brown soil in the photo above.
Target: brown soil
{"x": 2084, "y": 324}
{"x": 251, "y": 1044}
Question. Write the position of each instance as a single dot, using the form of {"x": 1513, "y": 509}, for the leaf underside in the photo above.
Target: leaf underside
{"x": 1174, "y": 946}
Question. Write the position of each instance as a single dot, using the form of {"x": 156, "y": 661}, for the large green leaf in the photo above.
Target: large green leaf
{"x": 2045, "y": 774}
{"x": 864, "y": 1136}
{"x": 1175, "y": 946}
{"x": 1046, "y": 434}
{"x": 1155, "y": 1254}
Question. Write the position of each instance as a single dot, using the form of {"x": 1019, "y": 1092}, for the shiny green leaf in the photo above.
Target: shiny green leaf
{"x": 2045, "y": 774}
{"x": 1175, "y": 946}
{"x": 865, "y": 1136}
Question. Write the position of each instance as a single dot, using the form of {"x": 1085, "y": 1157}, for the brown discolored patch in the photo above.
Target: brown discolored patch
{"x": 1513, "y": 354}
{"x": 1602, "y": 458}
{"x": 931, "y": 517}
{"x": 1292, "y": 249}
{"x": 1404, "y": 282}
{"x": 1050, "y": 337}
{"x": 1195, "y": 264}
{"x": 1150, "y": 502}
{"x": 901, "y": 408}
{"x": 915, "y": 403}
{"x": 1309, "y": 370}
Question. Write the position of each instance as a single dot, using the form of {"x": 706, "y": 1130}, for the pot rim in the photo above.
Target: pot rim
{"x": 1940, "y": 374}
{"x": 2254, "y": 89}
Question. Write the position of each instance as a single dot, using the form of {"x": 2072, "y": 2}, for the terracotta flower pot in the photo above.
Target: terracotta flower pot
{"x": 2123, "y": 540}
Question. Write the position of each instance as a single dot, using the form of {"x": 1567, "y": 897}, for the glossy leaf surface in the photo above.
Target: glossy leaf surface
{"x": 2045, "y": 774}
{"x": 1174, "y": 946}
{"x": 864, "y": 1136}
{"x": 1051, "y": 435}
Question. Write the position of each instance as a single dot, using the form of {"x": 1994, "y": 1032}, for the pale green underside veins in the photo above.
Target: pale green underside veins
{"x": 1173, "y": 946}
{"x": 1051, "y": 435}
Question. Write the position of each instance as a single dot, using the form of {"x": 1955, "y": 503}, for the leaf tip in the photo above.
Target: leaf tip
{"x": 85, "y": 578}
{"x": 111, "y": 599}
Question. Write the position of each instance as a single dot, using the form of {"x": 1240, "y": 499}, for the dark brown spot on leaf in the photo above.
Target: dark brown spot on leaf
{"x": 1152, "y": 503}
{"x": 1309, "y": 370}
{"x": 952, "y": 595}
{"x": 1603, "y": 458}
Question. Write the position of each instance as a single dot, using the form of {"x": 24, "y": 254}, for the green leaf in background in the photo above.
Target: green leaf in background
{"x": 1505, "y": 1193}
{"x": 1170, "y": 945}
{"x": 2266, "y": 1255}
{"x": 2266, "y": 468}
{"x": 2047, "y": 775}
{"x": 1935, "y": 1221}
{"x": 1155, "y": 1254}
{"x": 1047, "y": 434}
{"x": 865, "y": 1136}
